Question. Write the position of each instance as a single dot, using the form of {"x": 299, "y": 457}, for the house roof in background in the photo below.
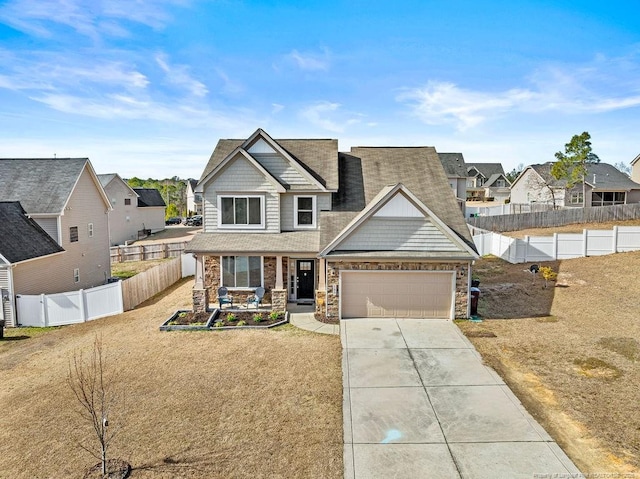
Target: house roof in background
{"x": 487, "y": 169}
{"x": 453, "y": 164}
{"x": 607, "y": 177}
{"x": 42, "y": 185}
{"x": 22, "y": 237}
{"x": 149, "y": 197}
{"x": 319, "y": 157}
{"x": 106, "y": 178}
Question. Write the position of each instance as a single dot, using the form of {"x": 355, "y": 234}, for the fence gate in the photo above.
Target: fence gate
{"x": 29, "y": 310}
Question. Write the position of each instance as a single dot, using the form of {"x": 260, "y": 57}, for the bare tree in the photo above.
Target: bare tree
{"x": 537, "y": 184}
{"x": 94, "y": 382}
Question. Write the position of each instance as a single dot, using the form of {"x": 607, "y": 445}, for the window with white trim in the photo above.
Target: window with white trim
{"x": 241, "y": 211}
{"x": 576, "y": 198}
{"x": 76, "y": 275}
{"x": 241, "y": 271}
{"x": 90, "y": 230}
{"x": 304, "y": 211}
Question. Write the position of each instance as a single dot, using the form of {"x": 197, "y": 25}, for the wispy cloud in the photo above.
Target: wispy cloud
{"x": 566, "y": 89}
{"x": 329, "y": 116}
{"x": 178, "y": 75}
{"x": 89, "y": 18}
{"x": 310, "y": 61}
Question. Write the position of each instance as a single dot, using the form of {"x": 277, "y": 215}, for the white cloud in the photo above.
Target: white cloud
{"x": 309, "y": 61}
{"x": 179, "y": 76}
{"x": 328, "y": 116}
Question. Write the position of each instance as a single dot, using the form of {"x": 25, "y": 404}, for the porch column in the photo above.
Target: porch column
{"x": 199, "y": 271}
{"x": 279, "y": 283}
{"x": 322, "y": 275}
{"x": 200, "y": 293}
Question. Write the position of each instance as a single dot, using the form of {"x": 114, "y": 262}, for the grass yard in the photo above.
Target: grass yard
{"x": 198, "y": 404}
{"x": 127, "y": 269}
{"x": 574, "y": 228}
{"x": 570, "y": 352}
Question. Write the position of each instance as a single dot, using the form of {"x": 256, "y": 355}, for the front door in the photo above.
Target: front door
{"x": 305, "y": 278}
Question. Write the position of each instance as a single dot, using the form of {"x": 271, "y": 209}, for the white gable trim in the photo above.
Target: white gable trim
{"x": 522, "y": 173}
{"x": 233, "y": 156}
{"x": 261, "y": 135}
{"x": 385, "y": 195}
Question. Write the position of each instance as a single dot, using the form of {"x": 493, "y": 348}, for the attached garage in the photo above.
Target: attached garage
{"x": 397, "y": 294}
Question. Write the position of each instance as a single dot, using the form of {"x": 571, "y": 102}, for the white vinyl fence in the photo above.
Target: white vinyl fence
{"x": 560, "y": 245}
{"x": 69, "y": 308}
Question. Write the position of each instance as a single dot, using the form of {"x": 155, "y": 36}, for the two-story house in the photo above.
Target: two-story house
{"x": 194, "y": 200}
{"x": 65, "y": 198}
{"x": 376, "y": 232}
{"x": 133, "y": 210}
{"x": 487, "y": 182}
{"x": 456, "y": 170}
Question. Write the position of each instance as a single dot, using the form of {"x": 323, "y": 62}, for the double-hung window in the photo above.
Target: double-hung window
{"x": 241, "y": 271}
{"x": 241, "y": 211}
{"x": 304, "y": 212}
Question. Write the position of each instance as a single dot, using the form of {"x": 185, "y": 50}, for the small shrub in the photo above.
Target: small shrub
{"x": 241, "y": 323}
{"x": 231, "y": 317}
{"x": 257, "y": 317}
{"x": 218, "y": 324}
{"x": 182, "y": 314}
{"x": 548, "y": 274}
{"x": 275, "y": 315}
{"x": 172, "y": 323}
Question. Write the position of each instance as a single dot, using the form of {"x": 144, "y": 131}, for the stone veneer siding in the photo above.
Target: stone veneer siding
{"x": 461, "y": 269}
{"x": 212, "y": 279}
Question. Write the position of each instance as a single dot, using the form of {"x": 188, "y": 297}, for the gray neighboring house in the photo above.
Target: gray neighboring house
{"x": 65, "y": 198}
{"x": 194, "y": 200}
{"x": 23, "y": 242}
{"x": 456, "y": 170}
{"x": 132, "y": 210}
{"x": 487, "y": 180}
{"x": 373, "y": 232}
{"x": 605, "y": 186}
{"x": 635, "y": 169}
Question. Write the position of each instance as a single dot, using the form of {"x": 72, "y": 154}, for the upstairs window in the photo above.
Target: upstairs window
{"x": 304, "y": 212}
{"x": 73, "y": 234}
{"x": 127, "y": 201}
{"x": 241, "y": 211}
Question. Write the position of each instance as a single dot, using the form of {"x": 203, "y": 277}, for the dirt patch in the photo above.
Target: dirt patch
{"x": 569, "y": 353}
{"x": 249, "y": 403}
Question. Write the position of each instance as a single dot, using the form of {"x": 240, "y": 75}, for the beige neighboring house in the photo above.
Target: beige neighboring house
{"x": 635, "y": 169}
{"x": 456, "y": 170}
{"x": 373, "y": 232}
{"x": 605, "y": 185}
{"x": 133, "y": 209}
{"x": 65, "y": 198}
{"x": 194, "y": 200}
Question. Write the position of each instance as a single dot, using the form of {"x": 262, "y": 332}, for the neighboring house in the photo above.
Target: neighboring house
{"x": 129, "y": 213}
{"x": 24, "y": 243}
{"x": 194, "y": 200}
{"x": 605, "y": 186}
{"x": 635, "y": 169}
{"x": 374, "y": 232}
{"x": 65, "y": 198}
{"x": 456, "y": 170}
{"x": 487, "y": 182}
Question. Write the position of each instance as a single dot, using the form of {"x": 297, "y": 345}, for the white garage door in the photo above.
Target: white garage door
{"x": 403, "y": 294}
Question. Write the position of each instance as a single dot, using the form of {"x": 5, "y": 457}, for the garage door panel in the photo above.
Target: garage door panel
{"x": 400, "y": 295}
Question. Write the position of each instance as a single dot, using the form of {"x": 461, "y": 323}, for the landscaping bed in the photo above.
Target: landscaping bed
{"x": 185, "y": 320}
{"x": 249, "y": 319}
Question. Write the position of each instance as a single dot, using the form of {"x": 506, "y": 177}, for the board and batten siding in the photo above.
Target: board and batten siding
{"x": 241, "y": 177}
{"x": 50, "y": 225}
{"x": 398, "y": 234}
{"x": 323, "y": 203}
{"x": 6, "y": 307}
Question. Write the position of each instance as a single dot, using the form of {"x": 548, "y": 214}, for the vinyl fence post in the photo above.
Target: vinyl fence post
{"x": 614, "y": 245}
{"x": 43, "y": 309}
{"x": 83, "y": 309}
{"x": 555, "y": 246}
{"x": 585, "y": 238}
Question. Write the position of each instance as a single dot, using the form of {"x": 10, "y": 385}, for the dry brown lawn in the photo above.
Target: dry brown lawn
{"x": 198, "y": 404}
{"x": 570, "y": 352}
{"x": 574, "y": 228}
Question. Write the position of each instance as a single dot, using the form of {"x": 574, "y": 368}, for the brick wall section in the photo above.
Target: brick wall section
{"x": 321, "y": 301}
{"x": 200, "y": 300}
{"x": 212, "y": 279}
{"x": 279, "y": 300}
{"x": 461, "y": 269}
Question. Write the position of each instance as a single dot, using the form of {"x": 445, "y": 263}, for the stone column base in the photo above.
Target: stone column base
{"x": 200, "y": 300}
{"x": 279, "y": 299}
{"x": 321, "y": 301}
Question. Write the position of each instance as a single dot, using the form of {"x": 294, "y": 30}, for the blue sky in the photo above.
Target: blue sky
{"x": 146, "y": 88}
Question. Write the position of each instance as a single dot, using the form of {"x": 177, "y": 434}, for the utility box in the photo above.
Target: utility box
{"x": 475, "y": 296}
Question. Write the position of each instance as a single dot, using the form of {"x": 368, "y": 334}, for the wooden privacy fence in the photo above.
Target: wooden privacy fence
{"x": 506, "y": 209}
{"x": 566, "y": 216}
{"x": 142, "y": 286}
{"x": 120, "y": 254}
{"x": 560, "y": 245}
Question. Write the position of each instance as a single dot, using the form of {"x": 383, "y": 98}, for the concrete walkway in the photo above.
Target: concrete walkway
{"x": 301, "y": 316}
{"x": 419, "y": 403}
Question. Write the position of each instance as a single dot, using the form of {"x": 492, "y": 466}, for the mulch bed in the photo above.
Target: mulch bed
{"x": 232, "y": 318}
{"x": 190, "y": 317}
{"x": 323, "y": 319}
{"x": 116, "y": 469}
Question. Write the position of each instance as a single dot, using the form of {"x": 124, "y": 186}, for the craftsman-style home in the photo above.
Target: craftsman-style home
{"x": 375, "y": 232}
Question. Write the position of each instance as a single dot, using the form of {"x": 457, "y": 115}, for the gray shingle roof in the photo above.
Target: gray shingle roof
{"x": 607, "y": 177}
{"x": 318, "y": 156}
{"x": 487, "y": 169}
{"x": 106, "y": 178}
{"x": 42, "y": 186}
{"x": 22, "y": 237}
{"x": 454, "y": 165}
{"x": 287, "y": 243}
{"x": 149, "y": 197}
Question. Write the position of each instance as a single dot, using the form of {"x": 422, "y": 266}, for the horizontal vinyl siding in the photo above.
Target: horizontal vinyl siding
{"x": 401, "y": 234}
{"x": 323, "y": 203}
{"x": 50, "y": 225}
{"x": 282, "y": 170}
{"x": 238, "y": 178}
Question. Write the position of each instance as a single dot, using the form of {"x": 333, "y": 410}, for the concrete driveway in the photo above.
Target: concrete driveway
{"x": 419, "y": 403}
